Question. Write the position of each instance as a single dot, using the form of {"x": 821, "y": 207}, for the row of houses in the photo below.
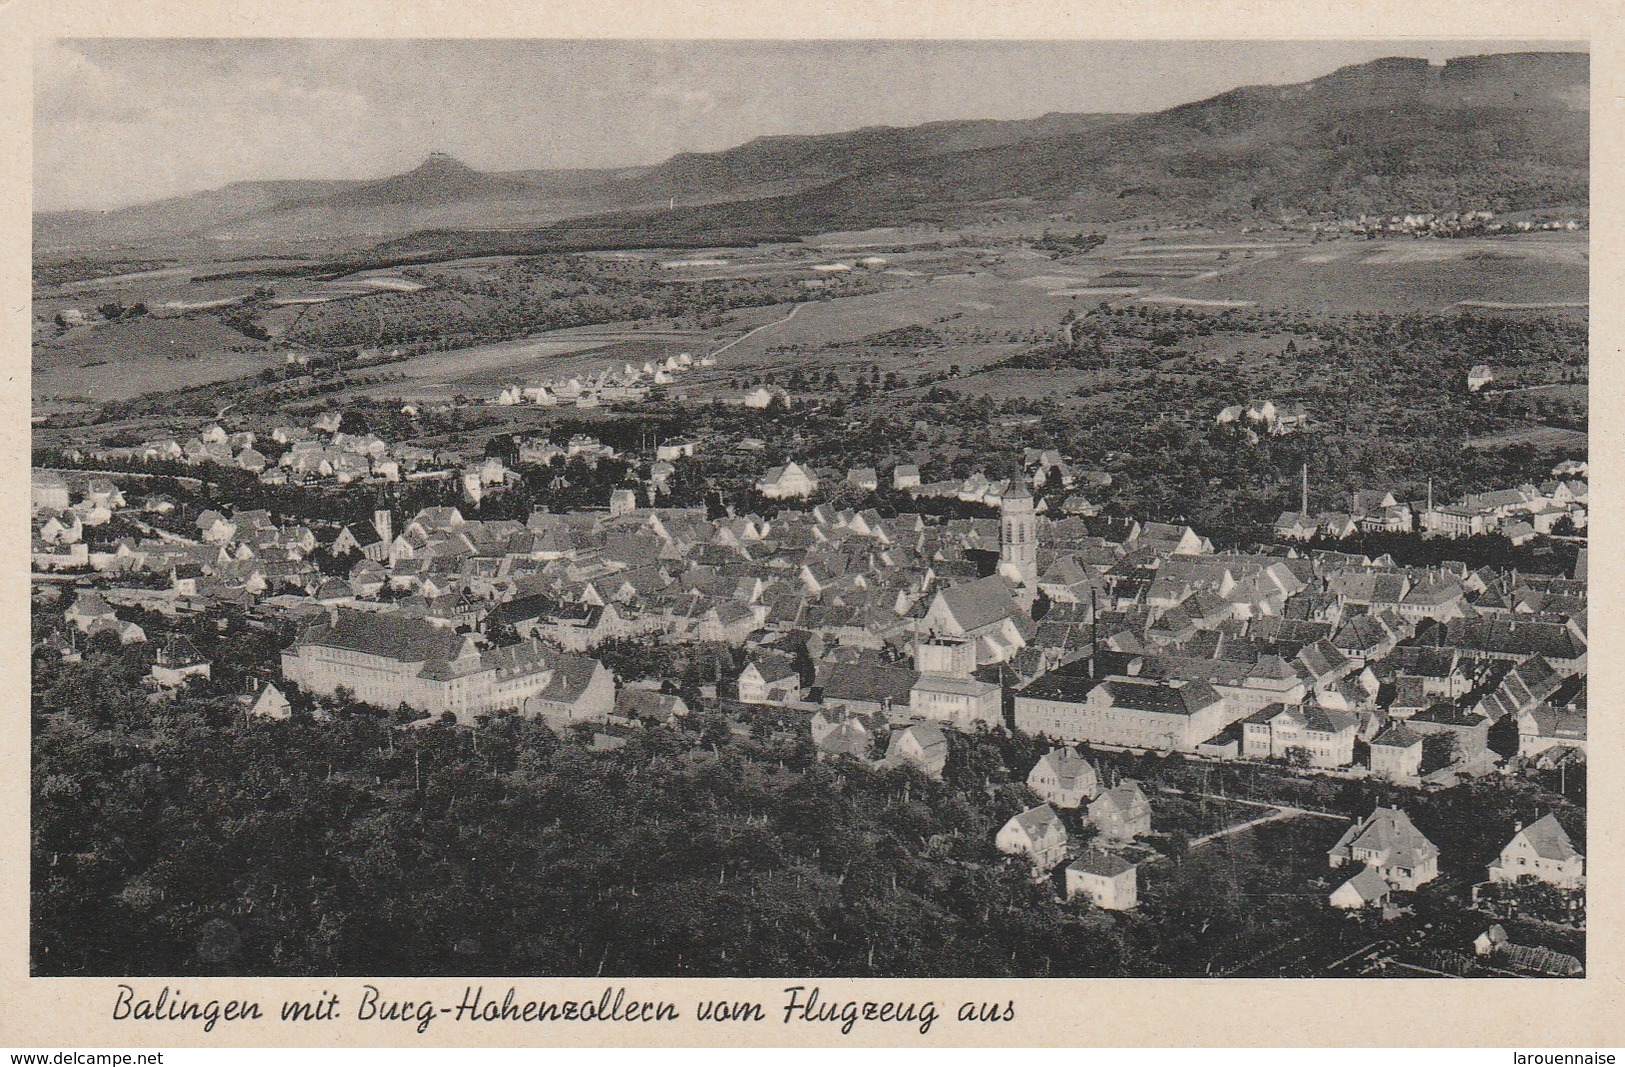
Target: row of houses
{"x": 627, "y": 382}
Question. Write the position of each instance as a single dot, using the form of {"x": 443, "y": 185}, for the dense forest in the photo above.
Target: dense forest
{"x": 349, "y": 846}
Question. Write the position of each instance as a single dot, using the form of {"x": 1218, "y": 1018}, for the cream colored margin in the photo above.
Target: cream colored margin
{"x": 69, "y": 1013}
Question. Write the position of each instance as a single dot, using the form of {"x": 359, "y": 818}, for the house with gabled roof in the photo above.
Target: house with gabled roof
{"x": 88, "y": 608}
{"x": 578, "y": 689}
{"x": 844, "y": 736}
{"x": 649, "y": 704}
{"x": 269, "y": 703}
{"x": 1064, "y": 778}
{"x": 1321, "y": 664}
{"x": 788, "y": 482}
{"x": 1173, "y": 540}
{"x": 362, "y": 538}
{"x": 1296, "y": 526}
{"x": 769, "y": 678}
{"x": 1122, "y": 812}
{"x": 921, "y": 746}
{"x": 1364, "y": 637}
{"x": 1387, "y": 841}
{"x": 177, "y": 661}
{"x": 1366, "y": 889}
{"x": 1037, "y": 834}
{"x": 1549, "y": 729}
{"x": 862, "y": 479}
{"x": 1542, "y": 851}
{"x": 1523, "y": 688}
{"x": 128, "y": 633}
{"x": 985, "y": 610}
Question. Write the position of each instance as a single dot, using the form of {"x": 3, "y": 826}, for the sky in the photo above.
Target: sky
{"x": 123, "y": 121}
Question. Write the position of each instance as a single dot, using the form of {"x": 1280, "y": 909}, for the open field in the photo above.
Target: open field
{"x": 1546, "y": 437}
{"x": 119, "y": 360}
{"x": 973, "y": 295}
{"x": 1545, "y": 271}
{"x": 485, "y": 370}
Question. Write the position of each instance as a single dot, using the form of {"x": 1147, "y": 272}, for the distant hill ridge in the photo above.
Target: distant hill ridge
{"x": 1507, "y": 131}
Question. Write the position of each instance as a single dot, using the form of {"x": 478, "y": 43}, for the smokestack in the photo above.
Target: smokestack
{"x": 1094, "y": 628}
{"x": 1304, "y": 509}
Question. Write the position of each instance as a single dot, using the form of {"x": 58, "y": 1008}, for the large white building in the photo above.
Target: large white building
{"x": 1130, "y": 712}
{"x": 388, "y": 660}
{"x": 947, "y": 690}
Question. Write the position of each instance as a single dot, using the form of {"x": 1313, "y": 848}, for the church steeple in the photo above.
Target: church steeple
{"x": 1018, "y": 538}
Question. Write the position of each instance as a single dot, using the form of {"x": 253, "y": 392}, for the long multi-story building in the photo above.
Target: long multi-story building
{"x": 1130, "y": 712}
{"x": 389, "y": 659}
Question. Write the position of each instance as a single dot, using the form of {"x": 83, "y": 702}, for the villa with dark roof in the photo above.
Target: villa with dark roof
{"x": 1121, "y": 813}
{"x": 1396, "y": 753}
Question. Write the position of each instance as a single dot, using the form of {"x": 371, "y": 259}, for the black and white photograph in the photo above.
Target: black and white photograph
{"x": 627, "y": 509}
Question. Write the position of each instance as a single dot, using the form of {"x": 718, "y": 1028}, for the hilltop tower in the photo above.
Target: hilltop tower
{"x": 1018, "y": 538}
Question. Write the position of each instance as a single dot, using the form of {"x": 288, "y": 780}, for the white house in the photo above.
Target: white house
{"x": 769, "y": 678}
{"x": 1036, "y": 833}
{"x": 1542, "y": 850}
{"x": 1064, "y": 778}
{"x": 270, "y": 703}
{"x": 921, "y": 746}
{"x": 1390, "y": 843}
{"x": 760, "y": 397}
{"x": 1364, "y": 889}
{"x": 947, "y": 690}
{"x": 1107, "y": 879}
{"x": 790, "y": 480}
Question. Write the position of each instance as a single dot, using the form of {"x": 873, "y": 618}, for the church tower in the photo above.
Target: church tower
{"x": 1018, "y": 538}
